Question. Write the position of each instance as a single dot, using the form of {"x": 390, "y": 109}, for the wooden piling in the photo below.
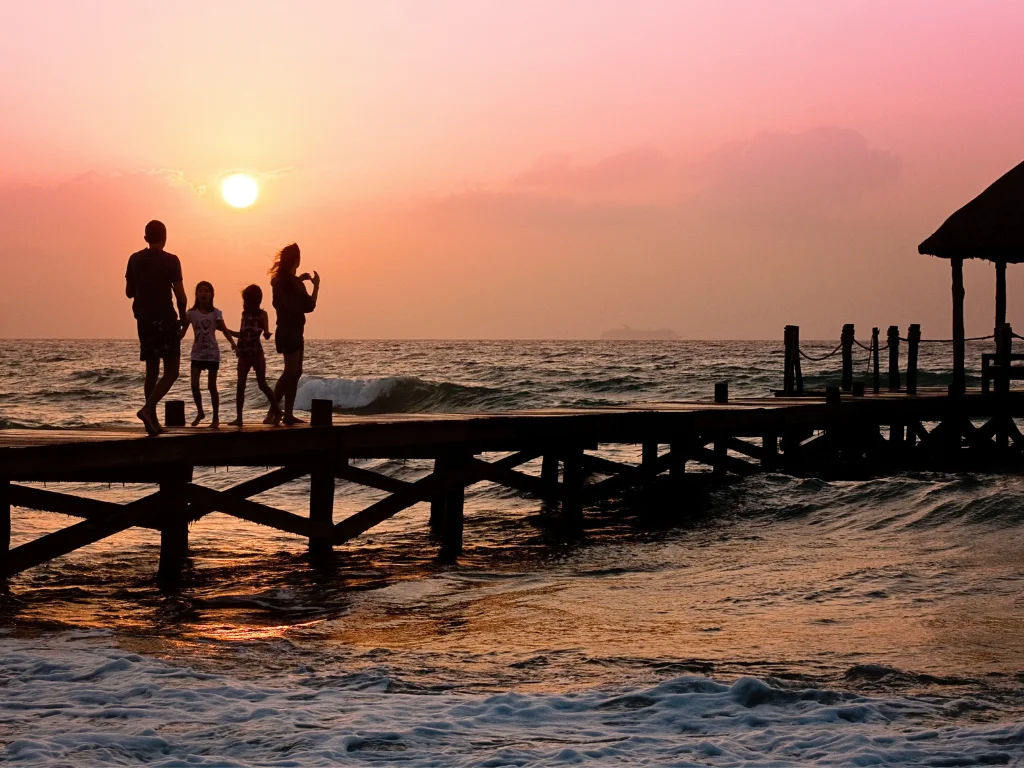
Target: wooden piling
{"x": 549, "y": 468}
{"x": 793, "y": 381}
{"x": 321, "y": 507}
{"x": 722, "y": 453}
{"x": 893, "y": 340}
{"x": 5, "y": 527}
{"x": 174, "y": 523}
{"x": 678, "y": 454}
{"x": 721, "y": 391}
{"x": 572, "y": 480}
{"x": 454, "y": 509}
{"x": 649, "y": 454}
{"x": 913, "y": 342}
{"x": 874, "y": 358}
{"x": 846, "y": 339}
{"x": 769, "y": 451}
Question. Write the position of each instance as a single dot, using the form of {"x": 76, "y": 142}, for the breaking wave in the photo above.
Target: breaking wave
{"x": 402, "y": 394}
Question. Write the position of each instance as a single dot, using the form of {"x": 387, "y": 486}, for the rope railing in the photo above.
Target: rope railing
{"x": 805, "y": 356}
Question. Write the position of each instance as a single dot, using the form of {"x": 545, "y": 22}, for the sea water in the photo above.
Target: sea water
{"x": 774, "y": 621}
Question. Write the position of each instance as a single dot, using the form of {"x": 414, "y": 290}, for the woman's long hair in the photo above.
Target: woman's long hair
{"x": 195, "y": 297}
{"x": 286, "y": 262}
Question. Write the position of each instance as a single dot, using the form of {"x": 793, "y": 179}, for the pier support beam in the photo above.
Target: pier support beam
{"x": 5, "y": 527}
{"x": 174, "y": 523}
{"x": 572, "y": 480}
{"x": 321, "y": 508}
{"x": 447, "y": 509}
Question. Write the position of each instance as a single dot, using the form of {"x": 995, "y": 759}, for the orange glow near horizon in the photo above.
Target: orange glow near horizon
{"x": 467, "y": 168}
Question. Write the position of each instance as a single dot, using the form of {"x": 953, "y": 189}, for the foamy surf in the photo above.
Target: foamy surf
{"x": 400, "y": 394}
{"x": 71, "y": 701}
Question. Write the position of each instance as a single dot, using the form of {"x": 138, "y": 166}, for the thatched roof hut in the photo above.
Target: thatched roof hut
{"x": 991, "y": 227}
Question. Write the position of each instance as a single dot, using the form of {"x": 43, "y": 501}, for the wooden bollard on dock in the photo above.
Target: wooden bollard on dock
{"x": 721, "y": 391}
{"x": 913, "y": 342}
{"x": 858, "y": 389}
{"x": 893, "y": 338}
{"x": 321, "y": 413}
{"x": 846, "y": 339}
{"x": 874, "y": 359}
{"x": 174, "y": 413}
{"x": 793, "y": 381}
{"x": 833, "y": 395}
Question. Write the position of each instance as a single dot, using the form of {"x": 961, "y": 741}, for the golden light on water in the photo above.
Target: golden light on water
{"x": 239, "y": 190}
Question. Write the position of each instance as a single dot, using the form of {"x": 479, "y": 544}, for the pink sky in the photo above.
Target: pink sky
{"x": 494, "y": 169}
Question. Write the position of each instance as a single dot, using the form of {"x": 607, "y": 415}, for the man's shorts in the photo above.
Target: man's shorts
{"x": 158, "y": 339}
{"x": 289, "y": 340}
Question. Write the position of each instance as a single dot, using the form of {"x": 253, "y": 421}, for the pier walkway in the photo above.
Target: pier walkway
{"x": 879, "y": 433}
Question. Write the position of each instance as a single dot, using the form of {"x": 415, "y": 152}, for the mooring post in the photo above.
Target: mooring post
{"x": 893, "y": 340}
{"x": 874, "y": 358}
{"x": 321, "y": 413}
{"x": 572, "y": 481}
{"x": 913, "y": 342}
{"x": 721, "y": 391}
{"x": 846, "y": 339}
{"x": 793, "y": 383}
{"x": 174, "y": 522}
{"x": 797, "y": 373}
{"x": 321, "y": 507}
{"x": 174, "y": 413}
{"x": 454, "y": 507}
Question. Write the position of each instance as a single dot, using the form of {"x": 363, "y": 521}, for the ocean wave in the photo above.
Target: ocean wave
{"x": 85, "y": 704}
{"x": 402, "y": 394}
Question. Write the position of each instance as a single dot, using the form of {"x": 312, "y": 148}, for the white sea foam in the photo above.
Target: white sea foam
{"x": 344, "y": 393}
{"x": 72, "y": 702}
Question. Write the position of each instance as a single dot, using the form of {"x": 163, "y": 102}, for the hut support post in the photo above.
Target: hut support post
{"x": 959, "y": 384}
{"x": 174, "y": 525}
{"x": 913, "y": 342}
{"x": 321, "y": 508}
{"x": 846, "y": 339}
{"x": 1000, "y": 294}
{"x": 874, "y": 360}
{"x": 893, "y": 340}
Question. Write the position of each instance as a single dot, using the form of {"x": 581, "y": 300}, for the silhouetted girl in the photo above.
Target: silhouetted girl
{"x": 206, "y": 320}
{"x": 292, "y": 304}
{"x": 250, "y": 350}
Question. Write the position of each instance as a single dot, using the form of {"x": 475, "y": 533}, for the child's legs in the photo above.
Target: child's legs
{"x": 211, "y": 384}
{"x": 260, "y": 368}
{"x": 196, "y": 394}
{"x": 243, "y": 378}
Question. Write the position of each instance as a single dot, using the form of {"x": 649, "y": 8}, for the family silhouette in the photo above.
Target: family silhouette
{"x": 153, "y": 281}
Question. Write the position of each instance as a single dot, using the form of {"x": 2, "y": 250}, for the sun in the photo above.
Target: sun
{"x": 239, "y": 190}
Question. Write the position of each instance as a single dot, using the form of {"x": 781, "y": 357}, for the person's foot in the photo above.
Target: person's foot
{"x": 273, "y": 417}
{"x": 199, "y": 417}
{"x": 235, "y": 423}
{"x": 215, "y": 424}
{"x": 291, "y": 420}
{"x": 149, "y": 421}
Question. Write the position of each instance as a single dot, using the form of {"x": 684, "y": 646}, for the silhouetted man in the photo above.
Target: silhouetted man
{"x": 152, "y": 275}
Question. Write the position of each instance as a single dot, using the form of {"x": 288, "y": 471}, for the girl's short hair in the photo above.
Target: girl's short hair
{"x": 252, "y": 297}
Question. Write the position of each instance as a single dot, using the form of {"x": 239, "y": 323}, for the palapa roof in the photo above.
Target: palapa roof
{"x": 991, "y": 226}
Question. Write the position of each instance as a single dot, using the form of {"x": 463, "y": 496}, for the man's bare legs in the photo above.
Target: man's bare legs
{"x": 152, "y": 374}
{"x": 147, "y": 414}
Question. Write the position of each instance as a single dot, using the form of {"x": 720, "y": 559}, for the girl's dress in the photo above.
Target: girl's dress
{"x": 250, "y": 350}
{"x": 205, "y": 349}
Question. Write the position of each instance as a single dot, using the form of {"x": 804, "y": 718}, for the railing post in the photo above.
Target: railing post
{"x": 846, "y": 339}
{"x": 874, "y": 357}
{"x": 797, "y": 374}
{"x": 893, "y": 338}
{"x": 788, "y": 385}
{"x": 913, "y": 342}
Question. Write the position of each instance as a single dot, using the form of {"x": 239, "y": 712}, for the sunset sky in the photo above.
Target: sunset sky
{"x": 479, "y": 169}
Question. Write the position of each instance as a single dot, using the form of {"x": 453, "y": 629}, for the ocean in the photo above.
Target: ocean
{"x": 779, "y": 621}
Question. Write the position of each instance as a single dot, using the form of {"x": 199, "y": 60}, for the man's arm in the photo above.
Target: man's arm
{"x": 179, "y": 294}
{"x": 129, "y": 289}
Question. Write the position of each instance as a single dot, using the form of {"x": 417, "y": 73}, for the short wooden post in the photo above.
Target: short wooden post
{"x": 793, "y": 383}
{"x": 858, "y": 389}
{"x": 649, "y": 454}
{"x": 833, "y": 395}
{"x": 913, "y": 342}
{"x": 174, "y": 523}
{"x": 893, "y": 339}
{"x": 874, "y": 358}
{"x": 959, "y": 384}
{"x": 721, "y": 391}
{"x": 454, "y": 510}
{"x": 797, "y": 372}
{"x": 572, "y": 480}
{"x": 846, "y": 339}
{"x": 321, "y": 507}
{"x": 321, "y": 413}
{"x": 174, "y": 413}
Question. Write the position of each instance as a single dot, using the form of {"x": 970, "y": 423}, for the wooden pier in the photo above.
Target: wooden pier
{"x": 872, "y": 433}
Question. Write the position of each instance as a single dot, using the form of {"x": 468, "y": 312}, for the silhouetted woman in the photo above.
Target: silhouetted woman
{"x": 292, "y": 304}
